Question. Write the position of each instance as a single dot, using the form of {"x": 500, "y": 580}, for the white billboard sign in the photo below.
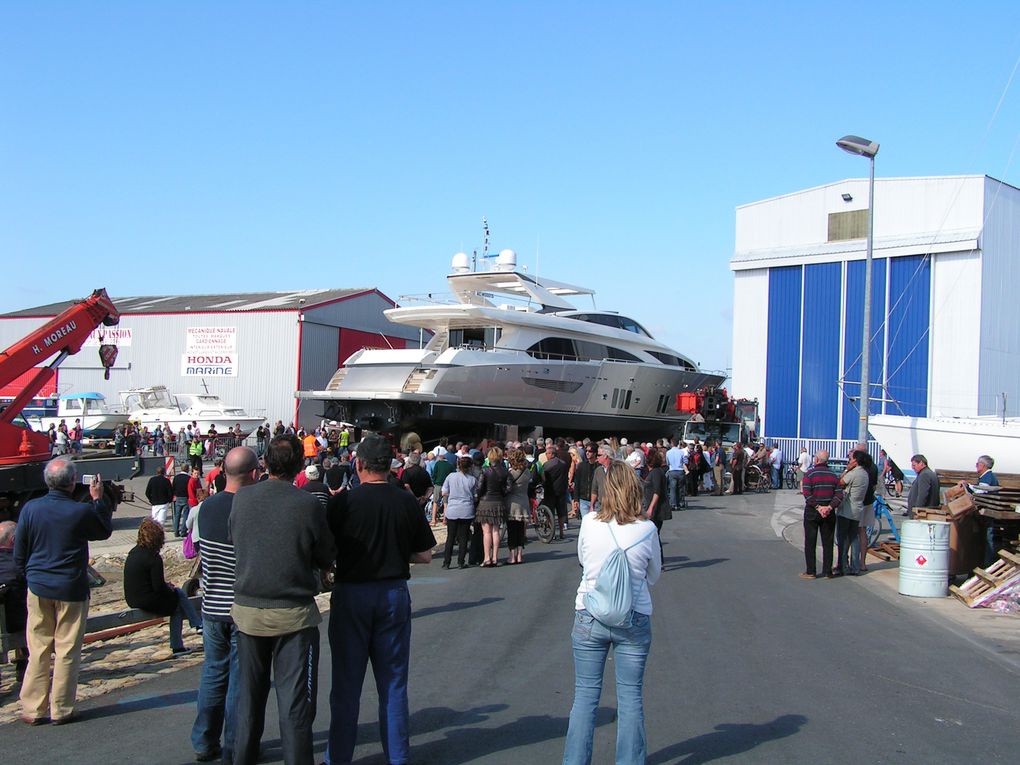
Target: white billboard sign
{"x": 211, "y": 340}
{"x": 116, "y": 335}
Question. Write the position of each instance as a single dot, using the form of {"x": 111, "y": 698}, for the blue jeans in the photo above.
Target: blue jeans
{"x": 217, "y": 690}
{"x": 591, "y": 640}
{"x": 777, "y": 471}
{"x": 369, "y": 620}
{"x": 184, "y": 609}
{"x": 180, "y": 515}
{"x": 674, "y": 486}
{"x": 583, "y": 507}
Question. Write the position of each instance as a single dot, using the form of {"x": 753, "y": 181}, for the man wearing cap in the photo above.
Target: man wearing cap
{"x": 380, "y": 530}
{"x": 280, "y": 536}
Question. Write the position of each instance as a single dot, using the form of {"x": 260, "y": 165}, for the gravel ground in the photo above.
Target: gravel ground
{"x": 133, "y": 658}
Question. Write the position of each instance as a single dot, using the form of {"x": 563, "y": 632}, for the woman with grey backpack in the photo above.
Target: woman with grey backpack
{"x": 620, "y": 556}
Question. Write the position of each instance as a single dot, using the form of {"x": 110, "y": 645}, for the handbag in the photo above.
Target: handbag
{"x": 188, "y": 548}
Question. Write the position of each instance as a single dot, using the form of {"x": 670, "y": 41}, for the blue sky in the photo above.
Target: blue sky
{"x": 204, "y": 147}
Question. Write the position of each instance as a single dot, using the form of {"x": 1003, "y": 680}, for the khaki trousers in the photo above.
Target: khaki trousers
{"x": 55, "y": 631}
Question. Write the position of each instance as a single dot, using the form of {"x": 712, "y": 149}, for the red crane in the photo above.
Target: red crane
{"x": 61, "y": 336}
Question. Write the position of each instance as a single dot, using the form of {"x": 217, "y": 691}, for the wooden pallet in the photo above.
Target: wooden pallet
{"x": 950, "y": 477}
{"x": 887, "y": 551}
{"x": 987, "y": 583}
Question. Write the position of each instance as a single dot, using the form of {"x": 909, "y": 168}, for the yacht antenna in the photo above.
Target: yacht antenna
{"x": 205, "y": 386}
{"x": 485, "y": 229}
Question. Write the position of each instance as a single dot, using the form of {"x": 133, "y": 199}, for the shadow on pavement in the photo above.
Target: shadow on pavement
{"x": 728, "y": 739}
{"x": 677, "y": 562}
{"x": 451, "y": 607}
{"x": 139, "y": 703}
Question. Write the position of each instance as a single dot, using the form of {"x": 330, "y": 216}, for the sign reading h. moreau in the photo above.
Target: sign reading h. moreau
{"x": 210, "y": 352}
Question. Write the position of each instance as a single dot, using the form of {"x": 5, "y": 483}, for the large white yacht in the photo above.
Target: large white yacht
{"x": 538, "y": 361}
{"x": 950, "y": 443}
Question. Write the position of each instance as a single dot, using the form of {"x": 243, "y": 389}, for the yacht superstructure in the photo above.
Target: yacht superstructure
{"x": 540, "y": 361}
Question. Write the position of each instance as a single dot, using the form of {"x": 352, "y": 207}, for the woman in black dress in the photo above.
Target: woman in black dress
{"x": 491, "y": 505}
{"x": 655, "y": 502}
{"x": 146, "y": 588}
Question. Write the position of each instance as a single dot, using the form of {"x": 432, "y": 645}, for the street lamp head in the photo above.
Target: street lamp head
{"x": 854, "y": 144}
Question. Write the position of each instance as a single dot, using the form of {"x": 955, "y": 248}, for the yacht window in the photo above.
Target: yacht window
{"x": 666, "y": 358}
{"x": 72, "y": 404}
{"x": 553, "y": 348}
{"x": 475, "y": 337}
{"x": 589, "y": 351}
{"x": 616, "y": 354}
{"x": 632, "y": 326}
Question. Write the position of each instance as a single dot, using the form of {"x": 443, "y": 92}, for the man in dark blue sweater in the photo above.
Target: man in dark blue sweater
{"x": 51, "y": 548}
{"x": 280, "y": 537}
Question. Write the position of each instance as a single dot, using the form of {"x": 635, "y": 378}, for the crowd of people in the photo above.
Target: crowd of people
{"x": 305, "y": 511}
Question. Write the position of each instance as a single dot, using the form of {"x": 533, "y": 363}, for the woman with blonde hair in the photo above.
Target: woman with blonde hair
{"x": 519, "y": 485}
{"x": 619, "y": 522}
{"x": 491, "y": 510}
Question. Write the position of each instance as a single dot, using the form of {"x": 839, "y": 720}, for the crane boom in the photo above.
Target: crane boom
{"x": 61, "y": 336}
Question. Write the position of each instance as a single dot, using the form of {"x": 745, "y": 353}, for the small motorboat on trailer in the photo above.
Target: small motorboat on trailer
{"x": 158, "y": 406}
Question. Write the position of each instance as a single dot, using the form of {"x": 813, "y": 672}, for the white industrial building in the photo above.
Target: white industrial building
{"x": 945, "y": 315}
{"x": 252, "y": 350}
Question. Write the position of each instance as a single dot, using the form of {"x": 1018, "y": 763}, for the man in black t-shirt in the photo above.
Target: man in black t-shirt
{"x": 379, "y": 530}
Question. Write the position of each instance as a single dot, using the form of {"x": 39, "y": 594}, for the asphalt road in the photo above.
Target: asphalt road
{"x": 748, "y": 664}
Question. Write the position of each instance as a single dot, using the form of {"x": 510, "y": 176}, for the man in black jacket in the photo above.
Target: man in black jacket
{"x": 160, "y": 493}
{"x": 280, "y": 537}
{"x": 380, "y": 530}
{"x": 554, "y": 482}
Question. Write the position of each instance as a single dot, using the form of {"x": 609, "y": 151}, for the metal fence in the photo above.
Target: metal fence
{"x": 838, "y": 448}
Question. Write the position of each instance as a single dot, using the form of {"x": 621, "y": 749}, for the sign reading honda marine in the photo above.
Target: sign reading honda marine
{"x": 210, "y": 352}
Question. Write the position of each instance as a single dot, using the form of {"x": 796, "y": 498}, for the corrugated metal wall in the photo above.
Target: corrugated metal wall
{"x": 783, "y": 364}
{"x": 802, "y": 396}
{"x": 909, "y": 314}
{"x": 819, "y": 388}
{"x": 852, "y": 336}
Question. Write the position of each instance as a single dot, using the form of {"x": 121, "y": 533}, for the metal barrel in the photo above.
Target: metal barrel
{"x": 924, "y": 559}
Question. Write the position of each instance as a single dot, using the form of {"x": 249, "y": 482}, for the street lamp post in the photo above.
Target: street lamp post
{"x": 863, "y": 147}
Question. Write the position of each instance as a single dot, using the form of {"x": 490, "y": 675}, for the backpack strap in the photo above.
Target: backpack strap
{"x": 646, "y": 536}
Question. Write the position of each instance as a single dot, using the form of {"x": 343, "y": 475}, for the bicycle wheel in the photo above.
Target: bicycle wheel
{"x": 545, "y": 523}
{"x": 791, "y": 479}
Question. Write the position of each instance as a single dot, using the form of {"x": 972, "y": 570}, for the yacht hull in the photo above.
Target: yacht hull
{"x": 608, "y": 398}
{"x": 949, "y": 443}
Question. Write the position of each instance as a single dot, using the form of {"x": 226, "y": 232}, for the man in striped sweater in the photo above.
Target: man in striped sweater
{"x": 217, "y": 690}
{"x": 822, "y": 496}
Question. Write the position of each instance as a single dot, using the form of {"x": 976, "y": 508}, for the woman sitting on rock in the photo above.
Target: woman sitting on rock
{"x": 146, "y": 588}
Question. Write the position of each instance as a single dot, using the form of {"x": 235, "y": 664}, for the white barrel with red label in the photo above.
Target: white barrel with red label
{"x": 924, "y": 559}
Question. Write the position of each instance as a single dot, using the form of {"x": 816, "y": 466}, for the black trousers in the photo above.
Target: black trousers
{"x": 813, "y": 524}
{"x": 846, "y": 533}
{"x": 457, "y": 530}
{"x": 475, "y": 545}
{"x": 516, "y": 533}
{"x": 293, "y": 662}
{"x": 738, "y": 480}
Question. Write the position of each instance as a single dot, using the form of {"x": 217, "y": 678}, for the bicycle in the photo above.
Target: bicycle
{"x": 543, "y": 518}
{"x": 757, "y": 480}
{"x": 791, "y": 477}
{"x": 882, "y": 512}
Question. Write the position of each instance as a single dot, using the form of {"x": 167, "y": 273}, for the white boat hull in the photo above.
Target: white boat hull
{"x": 92, "y": 425}
{"x": 949, "y": 443}
{"x": 423, "y": 393}
{"x": 178, "y": 420}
